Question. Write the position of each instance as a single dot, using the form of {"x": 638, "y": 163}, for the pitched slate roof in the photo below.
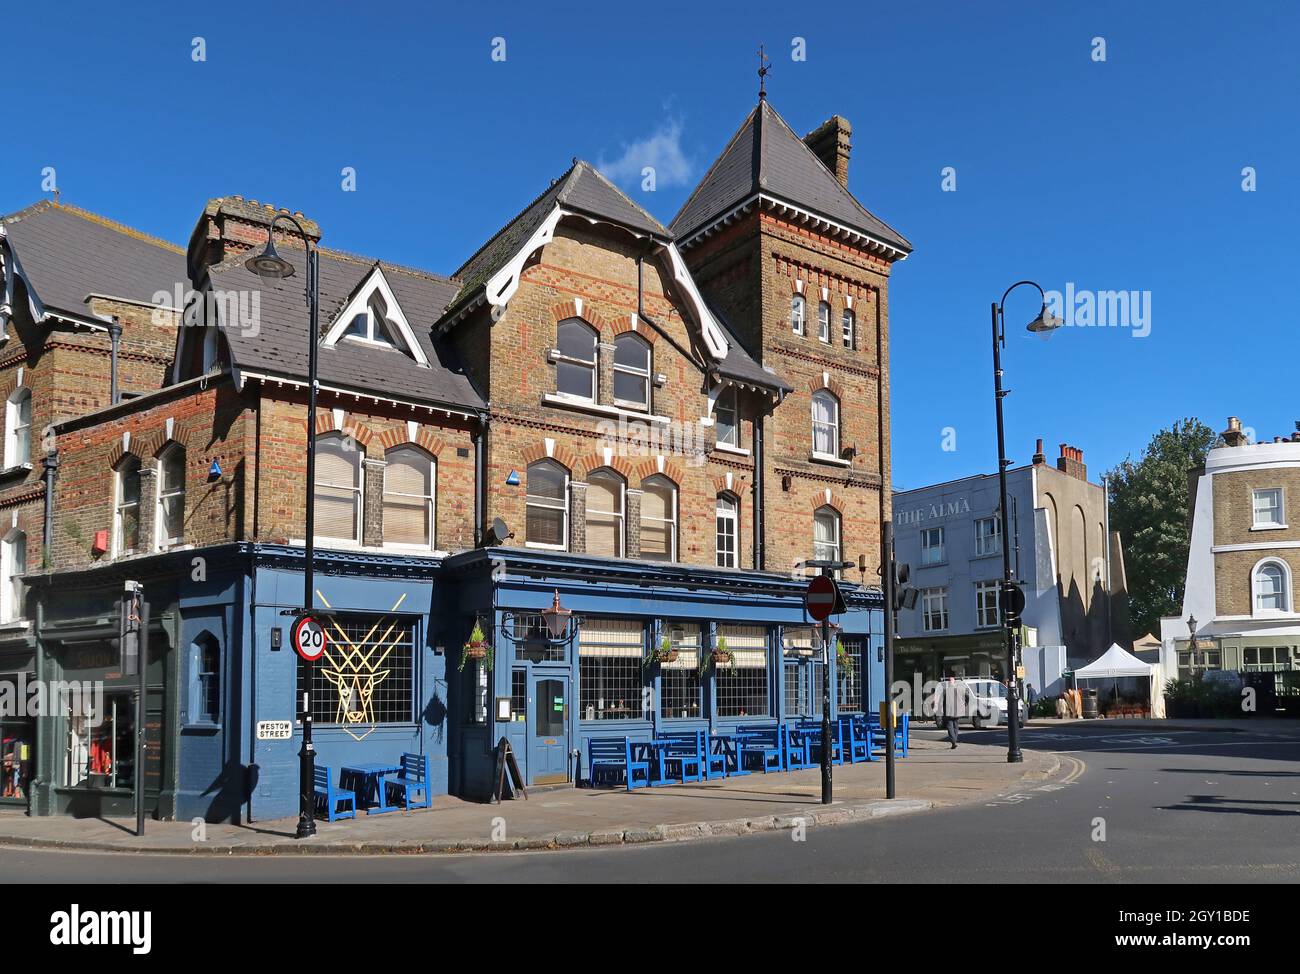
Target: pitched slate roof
{"x": 766, "y": 156}
{"x": 67, "y": 253}
{"x": 582, "y": 189}
{"x": 278, "y": 345}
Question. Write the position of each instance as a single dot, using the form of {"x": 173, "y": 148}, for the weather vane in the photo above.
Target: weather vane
{"x": 763, "y": 69}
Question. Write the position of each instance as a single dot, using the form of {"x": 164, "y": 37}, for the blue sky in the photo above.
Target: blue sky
{"x": 1122, "y": 174}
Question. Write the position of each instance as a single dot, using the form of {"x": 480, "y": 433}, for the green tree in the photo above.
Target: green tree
{"x": 1149, "y": 509}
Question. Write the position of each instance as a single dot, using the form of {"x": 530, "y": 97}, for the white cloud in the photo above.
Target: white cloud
{"x": 662, "y": 151}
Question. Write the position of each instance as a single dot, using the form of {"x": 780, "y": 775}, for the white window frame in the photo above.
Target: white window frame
{"x": 431, "y": 498}
{"x": 670, "y": 521}
{"x": 593, "y": 366}
{"x": 644, "y": 376}
{"x": 982, "y": 589}
{"x": 990, "y": 544}
{"x": 1255, "y": 592}
{"x": 824, "y": 322}
{"x": 10, "y": 600}
{"x": 836, "y": 546}
{"x": 359, "y": 490}
{"x": 161, "y": 496}
{"x": 833, "y": 424}
{"x": 118, "y": 507}
{"x": 798, "y": 313}
{"x": 620, "y": 515}
{"x": 728, "y": 515}
{"x": 563, "y": 508}
{"x": 1280, "y": 508}
{"x": 939, "y": 596}
{"x": 848, "y": 325}
{"x": 376, "y": 283}
{"x": 12, "y": 457}
{"x": 728, "y": 401}
{"x": 927, "y": 549}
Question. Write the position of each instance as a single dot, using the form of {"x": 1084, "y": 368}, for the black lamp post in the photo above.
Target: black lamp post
{"x": 270, "y": 266}
{"x": 1045, "y": 322}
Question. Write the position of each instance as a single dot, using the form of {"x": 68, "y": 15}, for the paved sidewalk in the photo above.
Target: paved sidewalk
{"x": 930, "y": 776}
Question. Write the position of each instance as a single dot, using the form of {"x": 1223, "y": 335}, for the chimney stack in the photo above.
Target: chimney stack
{"x": 1039, "y": 458}
{"x": 231, "y": 225}
{"x": 1071, "y": 462}
{"x": 1233, "y": 435}
{"x": 831, "y": 142}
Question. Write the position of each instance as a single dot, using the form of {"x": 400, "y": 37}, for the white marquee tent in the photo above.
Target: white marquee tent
{"x": 1119, "y": 662}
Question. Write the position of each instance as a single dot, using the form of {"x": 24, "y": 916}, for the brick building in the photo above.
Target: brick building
{"x": 653, "y": 424}
{"x": 1240, "y": 600}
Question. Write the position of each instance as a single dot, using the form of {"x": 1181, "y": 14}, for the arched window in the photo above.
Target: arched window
{"x": 605, "y": 513}
{"x": 126, "y": 507}
{"x": 727, "y": 524}
{"x": 575, "y": 368}
{"x": 658, "y": 519}
{"x": 824, "y": 322}
{"x": 338, "y": 488}
{"x": 846, "y": 327}
{"x": 1271, "y": 587}
{"x": 548, "y": 506}
{"x": 797, "y": 309}
{"x": 826, "y": 424}
{"x": 170, "y": 517}
{"x": 632, "y": 371}
{"x": 13, "y": 564}
{"x": 826, "y": 534}
{"x": 410, "y": 480}
{"x": 205, "y": 680}
{"x": 18, "y": 428}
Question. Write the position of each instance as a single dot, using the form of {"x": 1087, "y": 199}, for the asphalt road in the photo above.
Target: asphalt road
{"x": 1173, "y": 806}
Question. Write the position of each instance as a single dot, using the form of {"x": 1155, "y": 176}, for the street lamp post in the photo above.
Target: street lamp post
{"x": 270, "y": 266}
{"x": 1045, "y": 322}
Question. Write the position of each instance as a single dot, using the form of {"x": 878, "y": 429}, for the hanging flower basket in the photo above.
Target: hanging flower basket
{"x": 666, "y": 653}
{"x": 476, "y": 648}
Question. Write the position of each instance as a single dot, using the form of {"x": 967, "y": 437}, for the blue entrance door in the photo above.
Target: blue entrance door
{"x": 548, "y": 739}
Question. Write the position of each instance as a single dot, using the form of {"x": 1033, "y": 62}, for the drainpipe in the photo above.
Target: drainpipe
{"x": 47, "y": 530}
{"x": 115, "y": 338}
{"x": 760, "y": 554}
{"x": 480, "y": 477}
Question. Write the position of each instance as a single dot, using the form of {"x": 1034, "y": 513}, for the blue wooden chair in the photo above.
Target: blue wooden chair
{"x": 767, "y": 745}
{"x": 715, "y": 762}
{"x": 333, "y": 797}
{"x": 414, "y": 777}
{"x": 614, "y": 756}
{"x": 680, "y": 760}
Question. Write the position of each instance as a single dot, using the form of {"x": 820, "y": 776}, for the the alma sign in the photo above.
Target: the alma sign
{"x": 933, "y": 512}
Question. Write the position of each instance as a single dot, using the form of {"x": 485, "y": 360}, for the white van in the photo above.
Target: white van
{"x": 988, "y": 704}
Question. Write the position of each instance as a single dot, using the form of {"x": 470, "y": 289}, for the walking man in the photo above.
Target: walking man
{"x": 950, "y": 706}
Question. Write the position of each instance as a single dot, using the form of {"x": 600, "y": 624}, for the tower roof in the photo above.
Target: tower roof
{"x": 765, "y": 157}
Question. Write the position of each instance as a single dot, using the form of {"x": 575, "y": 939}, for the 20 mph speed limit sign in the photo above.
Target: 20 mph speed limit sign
{"x": 308, "y": 638}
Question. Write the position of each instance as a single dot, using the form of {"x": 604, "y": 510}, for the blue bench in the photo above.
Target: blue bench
{"x": 333, "y": 796}
{"x": 682, "y": 752}
{"x": 798, "y": 746}
{"x": 767, "y": 745}
{"x": 810, "y": 733}
{"x": 901, "y": 733}
{"x": 413, "y": 777}
{"x": 855, "y": 736}
{"x": 715, "y": 762}
{"x": 613, "y": 756}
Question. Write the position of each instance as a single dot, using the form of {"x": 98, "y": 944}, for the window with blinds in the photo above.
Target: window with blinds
{"x": 605, "y": 514}
{"x": 338, "y": 488}
{"x": 609, "y": 669}
{"x": 742, "y": 685}
{"x": 409, "y": 480}
{"x": 679, "y": 681}
{"x": 547, "y": 524}
{"x": 659, "y": 519}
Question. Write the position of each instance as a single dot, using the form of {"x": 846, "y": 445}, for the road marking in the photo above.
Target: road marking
{"x": 1153, "y": 747}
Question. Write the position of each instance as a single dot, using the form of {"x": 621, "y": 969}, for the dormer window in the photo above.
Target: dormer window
{"x": 373, "y": 318}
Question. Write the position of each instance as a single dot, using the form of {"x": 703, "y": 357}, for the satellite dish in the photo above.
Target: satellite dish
{"x": 496, "y": 533}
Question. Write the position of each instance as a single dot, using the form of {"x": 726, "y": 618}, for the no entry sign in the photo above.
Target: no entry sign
{"x": 308, "y": 638}
{"x": 822, "y": 598}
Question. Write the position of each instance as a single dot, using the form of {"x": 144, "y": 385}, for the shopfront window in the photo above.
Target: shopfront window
{"x": 743, "y": 684}
{"x": 610, "y": 670}
{"x": 801, "y": 652}
{"x": 848, "y": 672}
{"x": 679, "y": 680}
{"x": 366, "y": 675}
{"x": 100, "y": 748}
{"x": 17, "y": 749}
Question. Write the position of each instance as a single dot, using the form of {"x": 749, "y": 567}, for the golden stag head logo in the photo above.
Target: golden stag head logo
{"x": 354, "y": 669}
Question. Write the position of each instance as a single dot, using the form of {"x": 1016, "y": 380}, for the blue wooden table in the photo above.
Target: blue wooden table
{"x": 367, "y": 781}
{"x": 737, "y": 741}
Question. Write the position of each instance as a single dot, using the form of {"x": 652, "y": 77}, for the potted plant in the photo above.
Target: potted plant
{"x": 722, "y": 654}
{"x": 476, "y": 648}
{"x": 664, "y": 654}
{"x": 845, "y": 662}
